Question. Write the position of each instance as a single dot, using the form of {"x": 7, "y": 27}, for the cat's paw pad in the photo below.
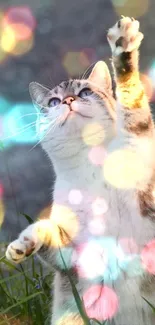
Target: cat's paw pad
{"x": 124, "y": 36}
{"x": 19, "y": 249}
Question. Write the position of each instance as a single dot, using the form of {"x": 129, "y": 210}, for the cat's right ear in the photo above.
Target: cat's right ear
{"x": 100, "y": 76}
{"x": 37, "y": 93}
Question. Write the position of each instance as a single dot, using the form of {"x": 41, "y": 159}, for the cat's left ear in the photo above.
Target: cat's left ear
{"x": 38, "y": 93}
{"x": 100, "y": 76}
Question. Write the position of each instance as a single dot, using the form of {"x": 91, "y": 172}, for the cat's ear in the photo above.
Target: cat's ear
{"x": 100, "y": 76}
{"x": 37, "y": 93}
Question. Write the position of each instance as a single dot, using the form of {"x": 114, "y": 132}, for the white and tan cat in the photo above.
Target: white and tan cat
{"x": 103, "y": 191}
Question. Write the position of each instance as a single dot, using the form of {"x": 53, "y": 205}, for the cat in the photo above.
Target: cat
{"x": 103, "y": 190}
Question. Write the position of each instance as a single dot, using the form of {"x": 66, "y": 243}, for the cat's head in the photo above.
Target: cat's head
{"x": 76, "y": 113}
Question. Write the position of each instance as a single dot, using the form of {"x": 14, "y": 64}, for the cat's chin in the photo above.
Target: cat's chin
{"x": 74, "y": 116}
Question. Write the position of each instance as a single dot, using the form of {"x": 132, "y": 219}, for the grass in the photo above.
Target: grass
{"x": 24, "y": 293}
{"x": 25, "y": 297}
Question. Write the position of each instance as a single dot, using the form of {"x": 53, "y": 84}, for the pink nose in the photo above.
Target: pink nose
{"x": 68, "y": 100}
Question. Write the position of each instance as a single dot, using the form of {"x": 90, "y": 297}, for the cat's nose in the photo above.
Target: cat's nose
{"x": 68, "y": 100}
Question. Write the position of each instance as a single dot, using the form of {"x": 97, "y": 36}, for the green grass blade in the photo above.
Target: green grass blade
{"x": 2, "y": 258}
{"x": 76, "y": 295}
{"x": 152, "y": 307}
{"x": 12, "y": 266}
{"x": 28, "y": 218}
{"x": 21, "y": 301}
{"x": 8, "y": 278}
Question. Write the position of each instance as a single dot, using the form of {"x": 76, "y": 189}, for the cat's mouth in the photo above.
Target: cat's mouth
{"x": 72, "y": 114}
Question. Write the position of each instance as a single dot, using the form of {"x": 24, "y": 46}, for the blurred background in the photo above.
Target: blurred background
{"x": 49, "y": 41}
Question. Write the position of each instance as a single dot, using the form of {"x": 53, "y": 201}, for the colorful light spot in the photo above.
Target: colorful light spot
{"x": 97, "y": 155}
{"x": 18, "y": 25}
{"x": 148, "y": 85}
{"x": 8, "y": 39}
{"x": 63, "y": 217}
{"x": 97, "y": 226}
{"x": 124, "y": 169}
{"x": 19, "y": 124}
{"x": 22, "y": 47}
{"x": 99, "y": 206}
{"x": 70, "y": 319}
{"x": 75, "y": 63}
{"x": 128, "y": 245}
{"x": 19, "y": 15}
{"x": 75, "y": 197}
{"x": 2, "y": 208}
{"x": 101, "y": 302}
{"x": 91, "y": 260}
{"x": 131, "y": 8}
{"x": 148, "y": 257}
{"x": 93, "y": 134}
{"x": 21, "y": 31}
{"x": 1, "y": 190}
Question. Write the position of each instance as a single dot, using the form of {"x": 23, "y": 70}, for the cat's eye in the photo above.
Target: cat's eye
{"x": 54, "y": 102}
{"x": 85, "y": 92}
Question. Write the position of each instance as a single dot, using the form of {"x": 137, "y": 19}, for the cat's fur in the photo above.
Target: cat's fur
{"x": 68, "y": 145}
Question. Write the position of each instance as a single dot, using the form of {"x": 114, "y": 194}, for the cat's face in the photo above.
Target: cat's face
{"x": 75, "y": 112}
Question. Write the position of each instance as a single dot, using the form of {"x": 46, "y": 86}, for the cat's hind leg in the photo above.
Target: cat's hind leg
{"x": 65, "y": 310}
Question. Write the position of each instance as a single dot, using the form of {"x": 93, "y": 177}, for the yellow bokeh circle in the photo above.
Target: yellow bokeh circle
{"x": 93, "y": 134}
{"x": 124, "y": 169}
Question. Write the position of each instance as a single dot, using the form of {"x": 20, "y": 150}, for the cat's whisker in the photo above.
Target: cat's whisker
{"x": 47, "y": 132}
{"x": 21, "y": 131}
{"x": 19, "y": 118}
{"x": 87, "y": 70}
{"x": 26, "y": 126}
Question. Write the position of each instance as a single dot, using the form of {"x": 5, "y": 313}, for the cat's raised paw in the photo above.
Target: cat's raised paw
{"x": 19, "y": 249}
{"x": 124, "y": 36}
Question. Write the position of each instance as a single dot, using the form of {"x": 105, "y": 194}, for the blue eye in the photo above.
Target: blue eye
{"x": 85, "y": 92}
{"x": 54, "y": 102}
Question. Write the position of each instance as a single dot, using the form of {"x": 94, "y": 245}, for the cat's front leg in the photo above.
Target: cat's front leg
{"x": 30, "y": 241}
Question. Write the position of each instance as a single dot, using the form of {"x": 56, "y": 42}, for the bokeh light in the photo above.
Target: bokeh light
{"x": 97, "y": 226}
{"x": 102, "y": 259}
{"x": 21, "y": 31}
{"x": 19, "y": 125}
{"x": 92, "y": 260}
{"x": 63, "y": 217}
{"x": 101, "y": 302}
{"x": 128, "y": 245}
{"x": 70, "y": 319}
{"x": 23, "y": 47}
{"x": 124, "y": 169}
{"x": 131, "y": 8}
{"x": 75, "y": 62}
{"x": 17, "y": 29}
{"x": 5, "y": 106}
{"x": 93, "y": 134}
{"x": 99, "y": 206}
{"x": 148, "y": 257}
{"x": 75, "y": 197}
{"x": 97, "y": 155}
{"x": 19, "y": 15}
{"x": 8, "y": 39}
{"x": 148, "y": 85}
{"x": 2, "y": 208}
